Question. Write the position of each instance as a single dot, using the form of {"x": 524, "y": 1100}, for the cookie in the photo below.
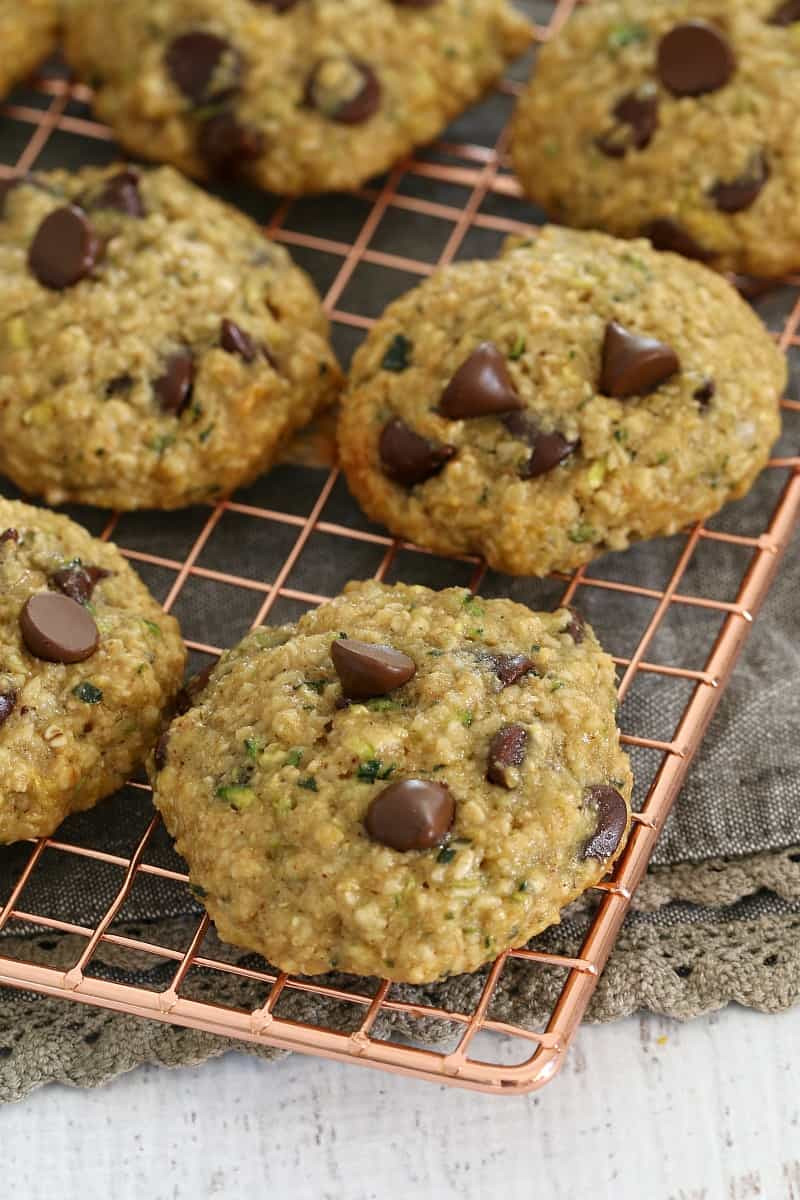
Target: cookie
{"x": 89, "y": 666}
{"x": 673, "y": 121}
{"x": 27, "y": 35}
{"x": 568, "y": 398}
{"x": 298, "y": 95}
{"x": 155, "y": 349}
{"x": 405, "y": 783}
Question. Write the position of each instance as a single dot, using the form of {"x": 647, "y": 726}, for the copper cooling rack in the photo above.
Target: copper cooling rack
{"x": 465, "y": 190}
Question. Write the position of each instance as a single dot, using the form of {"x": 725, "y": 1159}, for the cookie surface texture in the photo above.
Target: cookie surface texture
{"x": 27, "y": 35}
{"x": 415, "y": 833}
{"x": 155, "y": 350}
{"x": 674, "y": 121}
{"x": 90, "y": 665}
{"x": 310, "y": 96}
{"x": 570, "y": 397}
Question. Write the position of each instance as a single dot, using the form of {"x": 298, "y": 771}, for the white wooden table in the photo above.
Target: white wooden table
{"x": 645, "y": 1109}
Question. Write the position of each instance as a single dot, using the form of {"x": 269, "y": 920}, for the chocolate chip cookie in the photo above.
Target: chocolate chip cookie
{"x": 27, "y": 35}
{"x": 568, "y": 398}
{"x": 405, "y": 783}
{"x": 673, "y": 121}
{"x": 89, "y": 666}
{"x": 155, "y": 349}
{"x": 299, "y": 95}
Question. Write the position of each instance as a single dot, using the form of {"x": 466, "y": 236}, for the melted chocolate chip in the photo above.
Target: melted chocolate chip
{"x": 344, "y": 89}
{"x": 77, "y": 581}
{"x": 480, "y": 387}
{"x": 634, "y": 365}
{"x": 8, "y": 702}
{"x": 412, "y": 814}
{"x": 223, "y": 143}
{"x": 174, "y": 388}
{"x": 194, "y": 59}
{"x": 189, "y": 694}
{"x": 367, "y": 670}
{"x": 577, "y": 626}
{"x": 694, "y": 58}
{"x": 510, "y": 668}
{"x": 506, "y": 750}
{"x": 636, "y": 117}
{"x": 9, "y": 535}
{"x": 409, "y": 458}
{"x": 120, "y": 193}
{"x": 160, "y": 752}
{"x": 736, "y": 195}
{"x": 65, "y": 248}
{"x": 785, "y": 14}
{"x": 705, "y": 393}
{"x": 547, "y": 449}
{"x": 612, "y": 821}
{"x": 58, "y": 629}
{"x": 120, "y": 385}
{"x": 666, "y": 234}
{"x": 234, "y": 339}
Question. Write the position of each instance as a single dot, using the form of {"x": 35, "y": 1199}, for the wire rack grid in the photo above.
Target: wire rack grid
{"x": 467, "y": 189}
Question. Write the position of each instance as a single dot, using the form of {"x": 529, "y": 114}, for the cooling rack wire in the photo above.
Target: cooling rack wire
{"x": 475, "y": 193}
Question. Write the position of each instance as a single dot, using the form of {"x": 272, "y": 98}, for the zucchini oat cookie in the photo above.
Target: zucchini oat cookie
{"x": 89, "y": 666}
{"x": 27, "y": 35}
{"x": 672, "y": 120}
{"x": 405, "y": 783}
{"x": 300, "y": 95}
{"x": 568, "y": 398}
{"x": 155, "y": 349}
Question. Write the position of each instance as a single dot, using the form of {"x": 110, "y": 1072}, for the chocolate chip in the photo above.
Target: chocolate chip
{"x": 160, "y": 752}
{"x": 636, "y": 115}
{"x": 693, "y": 58}
{"x": 194, "y": 59}
{"x": 577, "y": 626}
{"x": 481, "y": 386}
{"x": 278, "y": 5}
{"x": 58, "y": 629}
{"x": 223, "y": 143}
{"x": 666, "y": 234}
{"x": 612, "y": 820}
{"x": 785, "y": 14}
{"x": 174, "y": 388}
{"x": 367, "y": 670}
{"x": 234, "y": 339}
{"x": 65, "y": 248}
{"x": 344, "y": 89}
{"x": 736, "y": 195}
{"x": 121, "y": 193}
{"x": 412, "y": 814}
{"x": 120, "y": 385}
{"x": 9, "y": 535}
{"x": 548, "y": 449}
{"x": 8, "y": 702}
{"x": 189, "y": 694}
{"x": 705, "y": 393}
{"x": 510, "y": 668}
{"x": 409, "y": 458}
{"x": 77, "y": 581}
{"x": 506, "y": 749}
{"x": 634, "y": 365}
